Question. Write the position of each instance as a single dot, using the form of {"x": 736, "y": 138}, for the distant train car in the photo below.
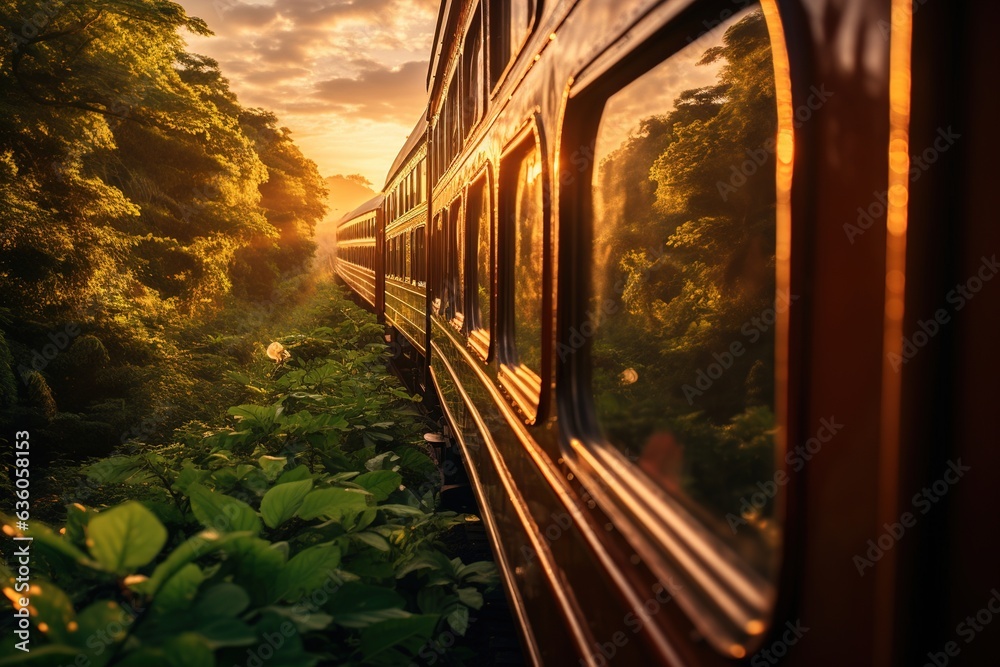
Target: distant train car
{"x": 720, "y": 377}
{"x": 359, "y": 251}
{"x": 405, "y": 213}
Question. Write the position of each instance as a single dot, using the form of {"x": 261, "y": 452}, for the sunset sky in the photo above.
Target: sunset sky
{"x": 347, "y": 77}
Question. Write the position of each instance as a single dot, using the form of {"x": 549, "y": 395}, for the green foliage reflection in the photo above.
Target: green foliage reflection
{"x": 683, "y": 378}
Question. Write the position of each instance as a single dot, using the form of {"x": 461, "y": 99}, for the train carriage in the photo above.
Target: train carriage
{"x": 359, "y": 260}
{"x": 674, "y": 262}
{"x": 406, "y": 241}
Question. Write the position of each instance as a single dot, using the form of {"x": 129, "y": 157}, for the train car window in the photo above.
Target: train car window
{"x": 420, "y": 248}
{"x": 454, "y": 272}
{"x": 522, "y": 227}
{"x": 421, "y": 183}
{"x": 436, "y": 268}
{"x": 510, "y": 24}
{"x": 454, "y": 102}
{"x": 684, "y": 280}
{"x": 402, "y": 252}
{"x": 480, "y": 262}
{"x": 473, "y": 74}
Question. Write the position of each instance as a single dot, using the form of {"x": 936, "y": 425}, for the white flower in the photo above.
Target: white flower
{"x": 278, "y": 353}
{"x": 629, "y": 376}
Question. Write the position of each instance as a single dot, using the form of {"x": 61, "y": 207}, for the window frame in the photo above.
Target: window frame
{"x": 723, "y": 597}
{"x": 497, "y": 76}
{"x": 482, "y": 345}
{"x": 454, "y": 260}
{"x": 474, "y": 69}
{"x": 523, "y": 386}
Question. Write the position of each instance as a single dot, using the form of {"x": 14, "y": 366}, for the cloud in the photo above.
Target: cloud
{"x": 379, "y": 93}
{"x": 343, "y": 65}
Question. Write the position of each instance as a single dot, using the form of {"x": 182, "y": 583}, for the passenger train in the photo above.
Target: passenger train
{"x": 705, "y": 291}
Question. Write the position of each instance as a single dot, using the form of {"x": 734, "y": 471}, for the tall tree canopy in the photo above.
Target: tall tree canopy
{"x": 137, "y": 196}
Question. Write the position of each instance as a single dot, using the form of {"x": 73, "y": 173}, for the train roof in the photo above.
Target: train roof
{"x": 417, "y": 136}
{"x": 367, "y": 207}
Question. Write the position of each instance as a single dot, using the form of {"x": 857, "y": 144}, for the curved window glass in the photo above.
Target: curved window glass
{"x": 683, "y": 281}
{"x": 481, "y": 265}
{"x": 521, "y": 226}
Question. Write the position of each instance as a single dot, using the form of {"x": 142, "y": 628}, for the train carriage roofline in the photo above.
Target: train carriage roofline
{"x": 371, "y": 205}
{"x": 418, "y": 136}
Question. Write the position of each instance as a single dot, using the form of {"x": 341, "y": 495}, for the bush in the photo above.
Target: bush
{"x": 302, "y": 530}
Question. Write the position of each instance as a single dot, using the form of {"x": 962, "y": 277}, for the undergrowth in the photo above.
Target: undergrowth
{"x": 302, "y": 529}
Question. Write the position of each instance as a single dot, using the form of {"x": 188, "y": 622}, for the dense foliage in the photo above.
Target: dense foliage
{"x": 138, "y": 201}
{"x": 302, "y": 531}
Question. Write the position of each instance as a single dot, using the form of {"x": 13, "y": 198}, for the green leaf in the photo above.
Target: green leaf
{"x": 470, "y": 597}
{"x": 403, "y": 511}
{"x": 381, "y": 483}
{"x": 357, "y": 605}
{"x": 195, "y": 547}
{"x": 189, "y": 475}
{"x": 51, "y": 543}
{"x": 393, "y": 632}
{"x": 257, "y": 416}
{"x": 125, "y": 537}
{"x": 335, "y": 461}
{"x": 373, "y": 540}
{"x": 296, "y": 474}
{"x": 272, "y": 466}
{"x": 104, "y": 617}
{"x": 334, "y": 504}
{"x": 307, "y": 570}
{"x": 303, "y": 615}
{"x": 481, "y": 572}
{"x": 189, "y": 650}
{"x": 77, "y": 518}
{"x": 180, "y": 590}
{"x": 281, "y": 502}
{"x": 52, "y": 608}
{"x": 223, "y": 600}
{"x": 432, "y": 560}
{"x": 222, "y": 512}
{"x": 458, "y": 620}
{"x": 415, "y": 461}
{"x": 257, "y": 564}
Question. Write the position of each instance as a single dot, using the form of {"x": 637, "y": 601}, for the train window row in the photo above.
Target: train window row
{"x": 467, "y": 247}
{"x": 481, "y": 68}
{"x": 363, "y": 256}
{"x": 406, "y": 256}
{"x": 409, "y": 192}
{"x": 362, "y": 229}
{"x": 674, "y": 327}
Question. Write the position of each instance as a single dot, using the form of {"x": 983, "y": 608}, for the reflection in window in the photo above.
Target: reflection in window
{"x": 523, "y": 213}
{"x": 684, "y": 278}
{"x": 480, "y": 242}
{"x": 437, "y": 272}
{"x": 455, "y": 276}
{"x": 510, "y": 22}
{"x": 474, "y": 79}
